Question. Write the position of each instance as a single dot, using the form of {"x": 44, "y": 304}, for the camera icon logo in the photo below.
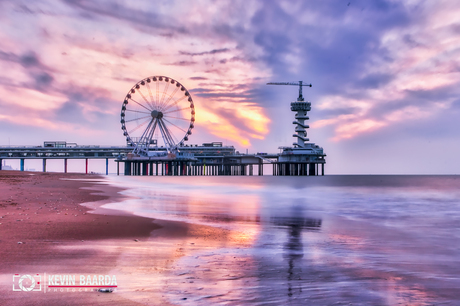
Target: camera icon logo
{"x": 27, "y": 282}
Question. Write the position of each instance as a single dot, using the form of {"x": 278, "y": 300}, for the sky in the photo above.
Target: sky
{"x": 385, "y": 74}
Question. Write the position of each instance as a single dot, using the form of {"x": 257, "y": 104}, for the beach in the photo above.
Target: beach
{"x": 44, "y": 229}
{"x": 333, "y": 240}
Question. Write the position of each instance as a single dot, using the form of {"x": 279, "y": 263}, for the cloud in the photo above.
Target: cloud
{"x": 29, "y": 60}
{"x": 43, "y": 79}
{"x": 367, "y": 58}
{"x": 134, "y": 16}
{"x": 375, "y": 66}
{"x": 215, "y": 51}
{"x": 198, "y": 78}
{"x": 181, "y": 63}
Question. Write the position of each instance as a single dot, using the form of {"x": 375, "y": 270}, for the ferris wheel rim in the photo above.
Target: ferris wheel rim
{"x": 153, "y": 113}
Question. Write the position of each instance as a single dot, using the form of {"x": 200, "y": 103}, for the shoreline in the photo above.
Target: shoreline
{"x": 54, "y": 223}
{"x": 63, "y": 229}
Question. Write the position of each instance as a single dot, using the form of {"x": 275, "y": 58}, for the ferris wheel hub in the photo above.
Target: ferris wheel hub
{"x": 156, "y": 114}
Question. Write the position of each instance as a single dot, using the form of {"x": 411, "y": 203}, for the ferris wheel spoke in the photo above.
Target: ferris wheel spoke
{"x": 170, "y": 97}
{"x": 140, "y": 104}
{"x": 164, "y": 93}
{"x": 158, "y": 93}
{"x": 174, "y": 125}
{"x": 170, "y": 117}
{"x": 150, "y": 94}
{"x": 131, "y": 120}
{"x": 143, "y": 97}
{"x": 135, "y": 111}
{"x": 139, "y": 126}
{"x": 174, "y": 103}
{"x": 168, "y": 132}
{"x": 177, "y": 110}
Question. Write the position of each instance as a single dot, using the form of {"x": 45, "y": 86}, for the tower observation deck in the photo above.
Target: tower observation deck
{"x": 302, "y": 154}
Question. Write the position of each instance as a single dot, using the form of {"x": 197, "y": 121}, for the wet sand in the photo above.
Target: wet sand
{"x": 44, "y": 229}
{"x": 246, "y": 241}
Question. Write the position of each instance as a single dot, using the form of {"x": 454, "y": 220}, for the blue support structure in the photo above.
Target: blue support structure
{"x": 106, "y": 166}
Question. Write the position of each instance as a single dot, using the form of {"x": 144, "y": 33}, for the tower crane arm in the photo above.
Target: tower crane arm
{"x": 300, "y": 84}
{"x": 288, "y": 83}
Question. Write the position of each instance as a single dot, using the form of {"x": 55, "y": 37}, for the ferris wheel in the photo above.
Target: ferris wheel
{"x": 157, "y": 112}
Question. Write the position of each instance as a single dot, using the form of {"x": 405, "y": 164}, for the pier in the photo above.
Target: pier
{"x": 209, "y": 159}
{"x": 63, "y": 151}
{"x": 155, "y": 114}
{"x": 246, "y": 164}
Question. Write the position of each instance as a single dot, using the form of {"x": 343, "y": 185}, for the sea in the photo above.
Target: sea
{"x": 313, "y": 240}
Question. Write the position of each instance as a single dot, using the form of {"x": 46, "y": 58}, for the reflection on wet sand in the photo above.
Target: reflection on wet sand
{"x": 325, "y": 243}
{"x": 294, "y": 247}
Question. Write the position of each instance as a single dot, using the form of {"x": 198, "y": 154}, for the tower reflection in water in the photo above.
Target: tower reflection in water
{"x": 295, "y": 224}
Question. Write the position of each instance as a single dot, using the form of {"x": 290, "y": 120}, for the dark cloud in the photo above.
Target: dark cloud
{"x": 29, "y": 60}
{"x": 198, "y": 78}
{"x": 41, "y": 75}
{"x": 8, "y": 56}
{"x": 181, "y": 63}
{"x": 137, "y": 17}
{"x": 374, "y": 80}
{"x": 422, "y": 98}
{"x": 215, "y": 51}
{"x": 70, "y": 111}
{"x": 334, "y": 57}
{"x": 43, "y": 79}
{"x": 257, "y": 95}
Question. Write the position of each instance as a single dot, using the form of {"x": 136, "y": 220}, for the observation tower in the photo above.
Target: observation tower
{"x": 303, "y": 157}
